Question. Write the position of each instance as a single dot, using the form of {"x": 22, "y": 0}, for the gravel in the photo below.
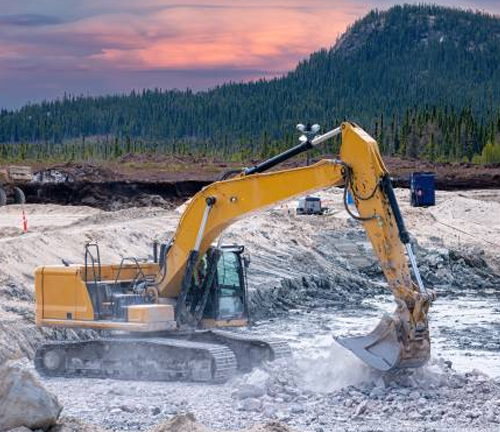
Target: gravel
{"x": 437, "y": 397}
{"x": 309, "y": 278}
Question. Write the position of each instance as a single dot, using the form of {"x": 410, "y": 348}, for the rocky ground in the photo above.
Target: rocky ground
{"x": 310, "y": 278}
{"x": 436, "y": 396}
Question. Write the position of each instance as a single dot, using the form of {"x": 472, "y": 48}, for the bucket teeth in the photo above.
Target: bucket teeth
{"x": 389, "y": 346}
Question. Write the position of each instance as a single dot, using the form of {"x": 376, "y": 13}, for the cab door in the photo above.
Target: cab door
{"x": 230, "y": 286}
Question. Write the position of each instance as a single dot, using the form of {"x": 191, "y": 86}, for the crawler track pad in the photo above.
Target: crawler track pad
{"x": 379, "y": 349}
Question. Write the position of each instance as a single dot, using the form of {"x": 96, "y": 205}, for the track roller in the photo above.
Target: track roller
{"x": 158, "y": 359}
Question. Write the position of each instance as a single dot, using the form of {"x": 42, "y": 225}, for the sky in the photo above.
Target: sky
{"x": 93, "y": 47}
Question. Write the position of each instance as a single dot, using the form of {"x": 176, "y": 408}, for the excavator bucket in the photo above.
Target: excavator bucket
{"x": 386, "y": 347}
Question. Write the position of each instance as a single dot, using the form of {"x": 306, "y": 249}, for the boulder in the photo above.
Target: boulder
{"x": 24, "y": 401}
{"x": 247, "y": 391}
{"x": 251, "y": 405}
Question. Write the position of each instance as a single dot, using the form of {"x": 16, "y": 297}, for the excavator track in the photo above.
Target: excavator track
{"x": 250, "y": 351}
{"x": 148, "y": 359}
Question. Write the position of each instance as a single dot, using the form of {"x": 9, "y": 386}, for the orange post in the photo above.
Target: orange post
{"x": 25, "y": 222}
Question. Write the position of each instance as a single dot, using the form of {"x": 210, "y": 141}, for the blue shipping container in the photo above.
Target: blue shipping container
{"x": 422, "y": 189}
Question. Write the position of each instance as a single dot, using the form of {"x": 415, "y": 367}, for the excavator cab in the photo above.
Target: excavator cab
{"x": 230, "y": 285}
{"x": 227, "y": 299}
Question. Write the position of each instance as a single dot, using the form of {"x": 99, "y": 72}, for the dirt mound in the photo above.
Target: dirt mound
{"x": 334, "y": 290}
{"x": 180, "y": 423}
{"x": 450, "y": 271}
{"x": 75, "y": 172}
{"x": 187, "y": 423}
{"x": 142, "y": 168}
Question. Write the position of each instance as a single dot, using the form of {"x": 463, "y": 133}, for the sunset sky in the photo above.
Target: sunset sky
{"x": 48, "y": 47}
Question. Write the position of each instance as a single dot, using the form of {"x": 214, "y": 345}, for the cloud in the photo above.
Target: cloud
{"x": 29, "y": 20}
{"x": 245, "y": 36}
{"x": 100, "y": 46}
{"x": 269, "y": 36}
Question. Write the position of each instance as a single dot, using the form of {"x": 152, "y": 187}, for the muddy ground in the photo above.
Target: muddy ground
{"x": 165, "y": 181}
{"x": 310, "y": 278}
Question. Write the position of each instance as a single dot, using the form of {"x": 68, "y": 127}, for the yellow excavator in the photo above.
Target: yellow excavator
{"x": 170, "y": 319}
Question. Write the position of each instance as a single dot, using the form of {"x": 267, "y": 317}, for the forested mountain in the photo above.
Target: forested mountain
{"x": 424, "y": 79}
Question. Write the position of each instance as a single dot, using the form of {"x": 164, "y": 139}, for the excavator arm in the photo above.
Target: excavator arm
{"x": 398, "y": 341}
{"x": 403, "y": 339}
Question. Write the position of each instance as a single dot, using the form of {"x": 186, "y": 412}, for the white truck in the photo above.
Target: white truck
{"x": 310, "y": 205}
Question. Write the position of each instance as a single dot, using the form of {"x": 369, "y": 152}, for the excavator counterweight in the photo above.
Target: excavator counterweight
{"x": 173, "y": 314}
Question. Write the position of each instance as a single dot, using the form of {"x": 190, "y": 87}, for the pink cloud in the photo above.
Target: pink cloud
{"x": 274, "y": 36}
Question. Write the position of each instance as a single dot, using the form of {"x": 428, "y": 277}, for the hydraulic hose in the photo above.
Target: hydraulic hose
{"x": 389, "y": 192}
{"x": 347, "y": 184}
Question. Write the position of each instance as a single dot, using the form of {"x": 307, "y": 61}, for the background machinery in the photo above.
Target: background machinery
{"x": 11, "y": 178}
{"x": 310, "y": 205}
{"x": 168, "y": 316}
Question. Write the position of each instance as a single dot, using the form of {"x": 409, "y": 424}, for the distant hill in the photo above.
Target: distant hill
{"x": 431, "y": 69}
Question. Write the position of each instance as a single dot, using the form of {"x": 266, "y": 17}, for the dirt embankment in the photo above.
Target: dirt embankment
{"x": 167, "y": 169}
{"x": 458, "y": 176}
{"x": 113, "y": 195}
{"x": 165, "y": 181}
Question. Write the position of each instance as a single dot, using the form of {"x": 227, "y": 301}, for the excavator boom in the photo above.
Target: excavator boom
{"x": 227, "y": 201}
{"x": 403, "y": 339}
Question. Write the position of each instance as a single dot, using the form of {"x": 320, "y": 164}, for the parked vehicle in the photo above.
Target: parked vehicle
{"x": 11, "y": 178}
{"x": 310, "y": 205}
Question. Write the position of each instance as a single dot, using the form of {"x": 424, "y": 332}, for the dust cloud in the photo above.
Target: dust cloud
{"x": 330, "y": 368}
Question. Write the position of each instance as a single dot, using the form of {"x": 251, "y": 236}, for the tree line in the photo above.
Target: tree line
{"x": 437, "y": 134}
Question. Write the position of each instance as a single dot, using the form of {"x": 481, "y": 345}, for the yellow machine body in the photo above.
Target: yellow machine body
{"x": 63, "y": 298}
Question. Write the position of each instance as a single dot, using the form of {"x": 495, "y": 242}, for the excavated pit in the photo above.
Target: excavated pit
{"x": 113, "y": 195}
{"x": 115, "y": 186}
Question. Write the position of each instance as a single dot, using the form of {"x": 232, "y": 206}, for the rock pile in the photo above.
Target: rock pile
{"x": 347, "y": 282}
{"x": 436, "y": 395}
{"x": 310, "y": 292}
{"x": 450, "y": 270}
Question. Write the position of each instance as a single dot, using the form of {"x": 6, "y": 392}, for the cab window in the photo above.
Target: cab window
{"x": 231, "y": 291}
